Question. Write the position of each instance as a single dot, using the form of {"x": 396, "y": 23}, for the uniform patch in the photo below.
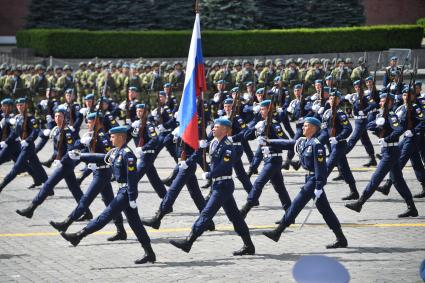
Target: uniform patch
{"x": 69, "y": 141}
{"x": 320, "y": 155}
{"x": 127, "y": 149}
{"x": 227, "y": 155}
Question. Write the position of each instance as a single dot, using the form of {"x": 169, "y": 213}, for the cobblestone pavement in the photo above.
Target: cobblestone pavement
{"x": 382, "y": 248}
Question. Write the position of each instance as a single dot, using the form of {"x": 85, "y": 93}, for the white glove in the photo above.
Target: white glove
{"x": 138, "y": 151}
{"x": 333, "y": 140}
{"x": 49, "y": 119}
{"x": 183, "y": 165}
{"x": 318, "y": 193}
{"x": 203, "y": 144}
{"x": 259, "y": 125}
{"x": 382, "y": 142}
{"x": 3, "y": 122}
{"x": 56, "y": 163}
{"x": 408, "y": 134}
{"x": 3, "y": 144}
{"x": 279, "y": 110}
{"x": 86, "y": 140}
{"x": 380, "y": 121}
{"x": 300, "y": 120}
{"x": 24, "y": 143}
{"x": 46, "y": 132}
{"x": 261, "y": 140}
{"x": 321, "y": 110}
{"x": 74, "y": 155}
{"x": 122, "y": 106}
{"x": 220, "y": 112}
{"x": 176, "y": 114}
{"x": 256, "y": 109}
{"x": 315, "y": 107}
{"x": 83, "y": 111}
{"x": 44, "y": 103}
{"x": 72, "y": 128}
{"x": 216, "y": 98}
{"x": 265, "y": 150}
{"x": 361, "y": 113}
{"x": 230, "y": 139}
{"x": 92, "y": 166}
{"x": 136, "y": 124}
{"x": 128, "y": 121}
{"x": 132, "y": 204}
{"x": 348, "y": 97}
{"x": 205, "y": 175}
{"x": 161, "y": 128}
{"x": 12, "y": 121}
{"x": 290, "y": 109}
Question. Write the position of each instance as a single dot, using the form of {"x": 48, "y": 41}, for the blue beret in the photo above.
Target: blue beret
{"x": 405, "y": 90}
{"x": 329, "y": 78}
{"x": 126, "y": 65}
{"x": 318, "y": 81}
{"x": 228, "y": 101}
{"x": 327, "y": 89}
{"x": 93, "y": 116}
{"x": 356, "y": 83}
{"x": 418, "y": 83}
{"x": 21, "y": 100}
{"x": 370, "y": 78}
{"x": 118, "y": 130}
{"x": 221, "y": 82}
{"x": 336, "y": 94}
{"x": 69, "y": 90}
{"x": 223, "y": 121}
{"x": 265, "y": 103}
{"x": 162, "y": 93}
{"x": 394, "y": 58}
{"x": 249, "y": 83}
{"x": 260, "y": 90}
{"x": 313, "y": 120}
{"x": 7, "y": 101}
{"x": 298, "y": 86}
{"x": 60, "y": 109}
{"x": 277, "y": 79}
{"x": 235, "y": 89}
{"x": 384, "y": 95}
{"x": 133, "y": 88}
{"x": 167, "y": 85}
{"x": 140, "y": 106}
{"x": 89, "y": 96}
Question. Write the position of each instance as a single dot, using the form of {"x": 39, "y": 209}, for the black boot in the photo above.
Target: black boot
{"x": 48, "y": 163}
{"x": 2, "y": 185}
{"x": 248, "y": 247}
{"x": 378, "y": 156}
{"x": 354, "y": 194}
{"x": 245, "y": 209}
{"x": 296, "y": 165}
{"x": 34, "y": 186}
{"x": 167, "y": 181}
{"x": 27, "y": 212}
{"x": 385, "y": 189}
{"x": 211, "y": 226}
{"x": 341, "y": 241}
{"x": 338, "y": 178}
{"x": 74, "y": 238}
{"x": 186, "y": 244}
{"x": 148, "y": 257}
{"x": 275, "y": 234}
{"x": 61, "y": 226}
{"x": 155, "y": 221}
{"x": 372, "y": 161}
{"x": 356, "y": 205}
{"x": 79, "y": 181}
{"x": 285, "y": 165}
{"x": 252, "y": 171}
{"x": 121, "y": 234}
{"x": 208, "y": 184}
{"x": 86, "y": 216}
{"x": 411, "y": 210}
{"x": 422, "y": 194}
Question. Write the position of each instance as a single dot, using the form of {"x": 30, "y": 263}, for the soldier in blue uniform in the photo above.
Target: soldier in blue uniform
{"x": 26, "y": 131}
{"x": 222, "y": 157}
{"x": 361, "y": 106}
{"x": 123, "y": 163}
{"x": 128, "y": 107}
{"x": 73, "y": 117}
{"x": 95, "y": 141}
{"x": 9, "y": 148}
{"x": 272, "y": 156}
{"x": 313, "y": 159}
{"x": 337, "y": 129}
{"x": 387, "y": 126}
{"x": 63, "y": 142}
{"x": 415, "y": 128}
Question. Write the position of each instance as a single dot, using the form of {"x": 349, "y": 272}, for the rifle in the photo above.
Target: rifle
{"x": 60, "y": 141}
{"x": 95, "y": 128}
{"x": 375, "y": 94}
{"x": 142, "y": 129}
{"x": 269, "y": 117}
{"x": 385, "y": 112}
{"x": 334, "y": 112}
{"x": 361, "y": 94}
{"x": 25, "y": 125}
{"x": 409, "y": 95}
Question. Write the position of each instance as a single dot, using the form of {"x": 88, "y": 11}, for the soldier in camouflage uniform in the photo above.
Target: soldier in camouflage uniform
{"x": 224, "y": 73}
{"x": 268, "y": 74}
{"x": 341, "y": 76}
{"x": 79, "y": 81}
{"x": 176, "y": 79}
{"x": 313, "y": 74}
{"x": 38, "y": 86}
{"x": 66, "y": 81}
{"x": 14, "y": 86}
{"x": 291, "y": 75}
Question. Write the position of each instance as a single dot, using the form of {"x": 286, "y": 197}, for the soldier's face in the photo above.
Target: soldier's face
{"x": 5, "y": 108}
{"x": 264, "y": 110}
{"x": 220, "y": 131}
{"x": 132, "y": 94}
{"x": 309, "y": 130}
{"x": 167, "y": 89}
{"x": 162, "y": 98}
{"x": 21, "y": 107}
{"x": 382, "y": 103}
{"x": 220, "y": 86}
{"x": 118, "y": 139}
{"x": 297, "y": 92}
{"x": 90, "y": 124}
{"x": 418, "y": 89}
{"x": 318, "y": 87}
{"x": 393, "y": 63}
{"x": 369, "y": 84}
{"x": 59, "y": 119}
{"x": 139, "y": 112}
{"x": 69, "y": 97}
{"x": 227, "y": 108}
{"x": 105, "y": 106}
{"x": 357, "y": 88}
{"x": 334, "y": 101}
{"x": 259, "y": 97}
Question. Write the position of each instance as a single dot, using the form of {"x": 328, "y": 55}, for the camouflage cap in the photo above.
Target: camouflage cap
{"x": 81, "y": 64}
{"x": 67, "y": 67}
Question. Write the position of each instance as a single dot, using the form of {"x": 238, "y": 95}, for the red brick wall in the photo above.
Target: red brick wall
{"x": 393, "y": 11}
{"x": 12, "y": 15}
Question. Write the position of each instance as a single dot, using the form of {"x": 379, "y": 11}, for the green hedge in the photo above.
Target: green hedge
{"x": 421, "y": 22}
{"x": 150, "y": 44}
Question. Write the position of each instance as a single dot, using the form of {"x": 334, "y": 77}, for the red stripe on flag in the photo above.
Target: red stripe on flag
{"x": 201, "y": 83}
{"x": 190, "y": 135}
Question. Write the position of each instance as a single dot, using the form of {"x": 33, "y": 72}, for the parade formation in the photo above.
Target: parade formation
{"x": 297, "y": 111}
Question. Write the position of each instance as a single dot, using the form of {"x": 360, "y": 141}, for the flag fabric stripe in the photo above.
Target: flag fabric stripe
{"x": 193, "y": 85}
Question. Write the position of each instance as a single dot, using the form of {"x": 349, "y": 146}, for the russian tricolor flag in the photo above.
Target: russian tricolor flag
{"x": 194, "y": 84}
